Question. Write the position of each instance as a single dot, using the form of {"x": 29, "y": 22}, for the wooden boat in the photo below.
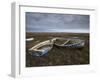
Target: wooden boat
{"x": 69, "y": 42}
{"x": 41, "y": 48}
{"x": 44, "y": 47}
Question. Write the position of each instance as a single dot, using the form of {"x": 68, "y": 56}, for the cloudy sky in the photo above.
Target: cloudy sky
{"x": 51, "y": 22}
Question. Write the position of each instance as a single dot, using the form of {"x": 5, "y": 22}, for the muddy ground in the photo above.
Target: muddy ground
{"x": 58, "y": 55}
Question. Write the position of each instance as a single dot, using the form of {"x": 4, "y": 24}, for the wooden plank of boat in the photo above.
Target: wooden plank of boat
{"x": 29, "y": 39}
{"x": 41, "y": 44}
{"x": 42, "y": 48}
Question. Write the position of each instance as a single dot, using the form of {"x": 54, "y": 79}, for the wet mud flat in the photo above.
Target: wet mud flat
{"x": 58, "y": 56}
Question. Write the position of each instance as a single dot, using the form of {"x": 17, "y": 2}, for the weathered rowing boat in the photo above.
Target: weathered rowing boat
{"x": 69, "y": 42}
{"x": 41, "y": 48}
{"x": 44, "y": 47}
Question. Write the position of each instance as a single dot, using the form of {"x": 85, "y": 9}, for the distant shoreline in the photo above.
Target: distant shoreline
{"x": 62, "y": 32}
{"x": 54, "y": 34}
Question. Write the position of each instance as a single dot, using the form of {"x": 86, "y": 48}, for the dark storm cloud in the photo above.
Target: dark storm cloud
{"x": 50, "y": 22}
